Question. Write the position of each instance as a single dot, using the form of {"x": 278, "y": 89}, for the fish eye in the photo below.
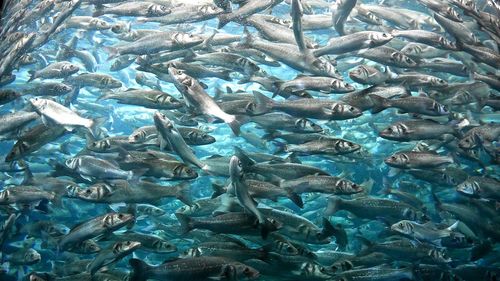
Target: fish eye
{"x": 246, "y": 270}
{"x": 120, "y": 216}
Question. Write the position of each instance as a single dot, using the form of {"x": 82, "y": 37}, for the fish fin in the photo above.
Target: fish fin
{"x": 32, "y": 74}
{"x": 244, "y": 159}
{"x": 185, "y": 222}
{"x": 139, "y": 270}
{"x": 95, "y": 125}
{"x": 218, "y": 190}
{"x": 332, "y": 206}
{"x": 223, "y": 20}
{"x": 237, "y": 122}
{"x": 263, "y": 104}
{"x": 99, "y": 11}
{"x": 379, "y": 103}
{"x": 295, "y": 198}
{"x": 28, "y": 176}
{"x": 137, "y": 174}
{"x": 112, "y": 52}
{"x": 183, "y": 193}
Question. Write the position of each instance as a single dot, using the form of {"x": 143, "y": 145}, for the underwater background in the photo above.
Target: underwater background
{"x": 233, "y": 140}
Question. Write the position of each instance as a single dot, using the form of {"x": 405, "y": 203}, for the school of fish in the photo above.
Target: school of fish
{"x": 180, "y": 140}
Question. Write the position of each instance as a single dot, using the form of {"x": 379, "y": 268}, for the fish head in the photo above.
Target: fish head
{"x": 109, "y": 82}
{"x": 116, "y": 219}
{"x": 470, "y": 141}
{"x": 348, "y": 187}
{"x": 438, "y": 82}
{"x": 446, "y": 43}
{"x": 55, "y": 230}
{"x": 344, "y": 146}
{"x": 403, "y": 227}
{"x": 191, "y": 253}
{"x": 439, "y": 255}
{"x": 70, "y": 68}
{"x": 313, "y": 270}
{"x": 235, "y": 167}
{"x": 137, "y": 136}
{"x": 342, "y": 86}
{"x": 360, "y": 73}
{"x": 397, "y": 160}
{"x": 341, "y": 266}
{"x": 412, "y": 49}
{"x": 99, "y": 24}
{"x": 125, "y": 246}
{"x": 5, "y": 196}
{"x": 95, "y": 192}
{"x": 187, "y": 39}
{"x": 452, "y": 14}
{"x": 243, "y": 270}
{"x": 38, "y": 103}
{"x": 345, "y": 110}
{"x": 209, "y": 9}
{"x": 306, "y": 125}
{"x": 63, "y": 88}
{"x": 72, "y": 190}
{"x": 90, "y": 246}
{"x": 151, "y": 210}
{"x": 39, "y": 276}
{"x": 100, "y": 145}
{"x": 73, "y": 163}
{"x": 381, "y": 38}
{"x": 158, "y": 10}
{"x": 183, "y": 171}
{"x": 323, "y": 65}
{"x": 394, "y": 131}
{"x": 31, "y": 256}
{"x": 161, "y": 121}
{"x": 401, "y": 58}
{"x": 469, "y": 188}
{"x": 162, "y": 246}
{"x": 19, "y": 149}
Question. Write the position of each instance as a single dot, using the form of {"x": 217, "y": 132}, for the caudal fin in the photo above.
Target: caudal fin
{"x": 223, "y": 20}
{"x": 332, "y": 206}
{"x": 263, "y": 104}
{"x": 379, "y": 103}
{"x": 183, "y": 193}
{"x": 185, "y": 222}
{"x": 95, "y": 125}
{"x": 139, "y": 270}
{"x": 236, "y": 123}
{"x": 112, "y": 52}
{"x": 32, "y": 74}
{"x": 295, "y": 198}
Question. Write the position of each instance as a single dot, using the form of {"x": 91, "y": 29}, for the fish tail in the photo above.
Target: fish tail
{"x": 333, "y": 206}
{"x": 139, "y": 270}
{"x": 185, "y": 221}
{"x": 236, "y": 123}
{"x": 295, "y": 198}
{"x": 106, "y": 95}
{"x": 218, "y": 190}
{"x": 99, "y": 11}
{"x": 137, "y": 173}
{"x": 263, "y": 104}
{"x": 265, "y": 228}
{"x": 112, "y": 51}
{"x": 223, "y": 20}
{"x": 379, "y": 103}
{"x": 32, "y": 74}
{"x": 183, "y": 193}
{"x": 280, "y": 147}
{"x": 95, "y": 125}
